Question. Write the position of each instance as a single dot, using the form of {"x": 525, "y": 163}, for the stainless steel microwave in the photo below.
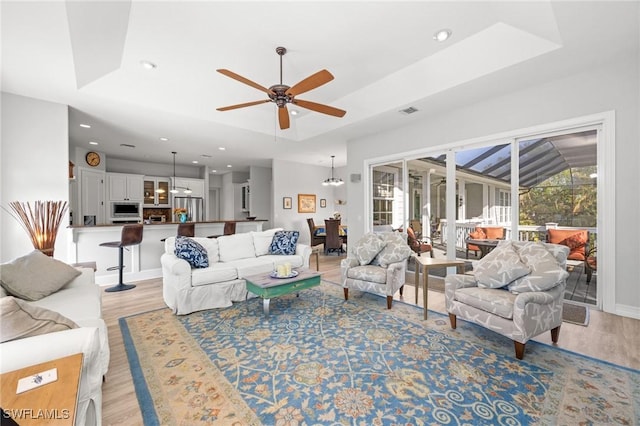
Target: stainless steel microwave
{"x": 123, "y": 209}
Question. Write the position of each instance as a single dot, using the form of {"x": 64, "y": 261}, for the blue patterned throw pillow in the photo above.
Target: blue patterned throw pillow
{"x": 284, "y": 242}
{"x": 192, "y": 252}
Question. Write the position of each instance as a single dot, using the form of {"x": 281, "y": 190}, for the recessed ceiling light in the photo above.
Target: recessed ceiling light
{"x": 442, "y": 35}
{"x": 294, "y": 112}
{"x": 164, "y": 139}
{"x": 93, "y": 143}
{"x": 86, "y": 126}
{"x": 195, "y": 161}
{"x": 148, "y": 65}
{"x": 229, "y": 165}
{"x": 213, "y": 171}
{"x": 221, "y": 148}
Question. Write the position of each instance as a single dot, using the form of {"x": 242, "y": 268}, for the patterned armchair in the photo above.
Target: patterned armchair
{"x": 377, "y": 264}
{"x": 517, "y": 290}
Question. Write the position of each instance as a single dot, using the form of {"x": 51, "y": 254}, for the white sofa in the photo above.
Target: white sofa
{"x": 80, "y": 301}
{"x": 231, "y": 258}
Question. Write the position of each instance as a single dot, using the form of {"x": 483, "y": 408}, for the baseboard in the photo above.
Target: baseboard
{"x": 627, "y": 311}
{"x": 111, "y": 279}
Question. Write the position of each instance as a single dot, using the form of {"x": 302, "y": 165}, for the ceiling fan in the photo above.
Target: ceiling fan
{"x": 281, "y": 94}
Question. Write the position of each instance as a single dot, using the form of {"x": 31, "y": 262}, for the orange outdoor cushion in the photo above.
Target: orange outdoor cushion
{"x": 478, "y": 234}
{"x": 493, "y": 232}
{"x": 571, "y": 238}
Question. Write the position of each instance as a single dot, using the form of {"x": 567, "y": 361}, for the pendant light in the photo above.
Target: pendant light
{"x": 174, "y": 188}
{"x": 173, "y": 181}
{"x": 332, "y": 180}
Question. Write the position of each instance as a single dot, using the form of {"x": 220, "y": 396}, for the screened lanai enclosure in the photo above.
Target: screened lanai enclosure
{"x": 527, "y": 186}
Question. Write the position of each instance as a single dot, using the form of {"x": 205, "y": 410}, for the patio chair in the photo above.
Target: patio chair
{"x": 576, "y": 239}
{"x": 418, "y": 245}
{"x": 482, "y": 233}
{"x": 417, "y": 227}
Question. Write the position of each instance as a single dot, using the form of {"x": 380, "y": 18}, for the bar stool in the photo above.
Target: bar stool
{"x": 229, "y": 229}
{"x": 185, "y": 230}
{"x": 131, "y": 236}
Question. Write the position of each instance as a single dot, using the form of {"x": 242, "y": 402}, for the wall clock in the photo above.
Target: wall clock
{"x": 93, "y": 158}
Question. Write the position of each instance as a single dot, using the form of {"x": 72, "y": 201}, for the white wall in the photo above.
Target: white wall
{"x": 613, "y": 86}
{"x": 260, "y": 190}
{"x": 34, "y": 155}
{"x": 291, "y": 179}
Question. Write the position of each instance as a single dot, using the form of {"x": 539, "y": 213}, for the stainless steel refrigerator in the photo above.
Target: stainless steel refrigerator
{"x": 193, "y": 205}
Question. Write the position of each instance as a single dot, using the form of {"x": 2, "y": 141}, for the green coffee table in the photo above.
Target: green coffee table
{"x": 267, "y": 287}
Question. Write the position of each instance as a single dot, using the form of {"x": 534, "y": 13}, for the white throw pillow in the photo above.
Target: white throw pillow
{"x": 262, "y": 240}
{"x": 545, "y": 274}
{"x": 367, "y": 248}
{"x": 236, "y": 246}
{"x": 501, "y": 266}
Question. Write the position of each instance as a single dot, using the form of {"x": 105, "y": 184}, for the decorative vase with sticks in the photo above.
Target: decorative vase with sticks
{"x": 41, "y": 222}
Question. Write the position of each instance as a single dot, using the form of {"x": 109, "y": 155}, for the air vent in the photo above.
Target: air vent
{"x": 127, "y": 145}
{"x": 408, "y": 111}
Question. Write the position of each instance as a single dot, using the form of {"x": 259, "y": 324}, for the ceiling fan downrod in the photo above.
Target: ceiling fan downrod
{"x": 279, "y": 97}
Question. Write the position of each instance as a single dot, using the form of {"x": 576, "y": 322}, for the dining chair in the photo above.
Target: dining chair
{"x": 333, "y": 241}
{"x": 314, "y": 238}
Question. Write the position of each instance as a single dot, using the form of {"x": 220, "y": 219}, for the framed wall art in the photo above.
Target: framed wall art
{"x": 323, "y": 203}
{"x": 286, "y": 202}
{"x": 306, "y": 203}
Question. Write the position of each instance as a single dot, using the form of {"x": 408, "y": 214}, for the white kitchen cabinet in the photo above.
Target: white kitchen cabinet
{"x": 156, "y": 192}
{"x": 195, "y": 185}
{"x": 92, "y": 211}
{"x": 125, "y": 187}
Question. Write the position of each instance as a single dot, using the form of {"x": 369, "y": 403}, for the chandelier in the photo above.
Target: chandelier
{"x": 332, "y": 180}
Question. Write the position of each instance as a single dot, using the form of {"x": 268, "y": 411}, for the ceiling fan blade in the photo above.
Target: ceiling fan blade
{"x": 245, "y": 80}
{"x": 283, "y": 117}
{"x": 325, "y": 109}
{"x": 227, "y": 108}
{"x": 309, "y": 83}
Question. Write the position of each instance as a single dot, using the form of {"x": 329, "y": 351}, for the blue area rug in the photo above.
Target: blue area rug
{"x": 321, "y": 360}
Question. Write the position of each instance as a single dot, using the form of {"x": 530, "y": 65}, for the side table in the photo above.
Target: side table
{"x": 50, "y": 404}
{"x": 426, "y": 263}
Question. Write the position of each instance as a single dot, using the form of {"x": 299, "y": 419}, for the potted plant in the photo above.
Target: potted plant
{"x": 181, "y": 213}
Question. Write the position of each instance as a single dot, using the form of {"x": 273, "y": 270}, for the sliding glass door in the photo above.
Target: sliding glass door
{"x": 523, "y": 186}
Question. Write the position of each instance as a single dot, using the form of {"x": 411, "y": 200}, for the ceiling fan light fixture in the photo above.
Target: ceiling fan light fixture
{"x": 332, "y": 181}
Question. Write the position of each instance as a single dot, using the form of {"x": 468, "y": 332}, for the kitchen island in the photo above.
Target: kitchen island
{"x": 142, "y": 261}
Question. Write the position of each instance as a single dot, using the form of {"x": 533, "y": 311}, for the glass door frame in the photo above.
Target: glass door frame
{"x": 603, "y": 123}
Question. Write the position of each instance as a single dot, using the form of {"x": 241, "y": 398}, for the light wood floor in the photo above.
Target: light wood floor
{"x": 608, "y": 337}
